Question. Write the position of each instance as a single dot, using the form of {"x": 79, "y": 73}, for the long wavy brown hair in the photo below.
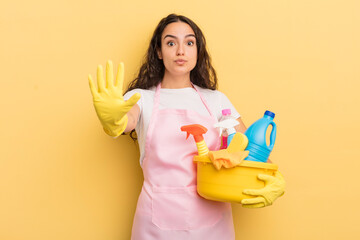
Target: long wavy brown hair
{"x": 152, "y": 70}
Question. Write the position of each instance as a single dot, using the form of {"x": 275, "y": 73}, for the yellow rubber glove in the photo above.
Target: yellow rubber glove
{"x": 109, "y": 103}
{"x": 274, "y": 188}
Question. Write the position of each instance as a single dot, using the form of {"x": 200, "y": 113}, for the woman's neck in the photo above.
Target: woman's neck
{"x": 171, "y": 81}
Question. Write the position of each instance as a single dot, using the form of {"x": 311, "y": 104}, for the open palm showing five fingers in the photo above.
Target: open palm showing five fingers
{"x": 109, "y": 103}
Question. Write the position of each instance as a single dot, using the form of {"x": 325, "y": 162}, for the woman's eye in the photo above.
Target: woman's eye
{"x": 170, "y": 44}
{"x": 191, "y": 43}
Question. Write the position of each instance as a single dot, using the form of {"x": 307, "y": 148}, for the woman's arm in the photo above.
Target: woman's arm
{"x": 241, "y": 127}
{"x": 133, "y": 117}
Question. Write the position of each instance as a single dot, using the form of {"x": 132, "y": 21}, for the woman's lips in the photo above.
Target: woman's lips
{"x": 180, "y": 61}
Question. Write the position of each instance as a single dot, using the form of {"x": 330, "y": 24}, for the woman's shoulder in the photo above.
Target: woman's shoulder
{"x": 209, "y": 92}
{"x": 214, "y": 95}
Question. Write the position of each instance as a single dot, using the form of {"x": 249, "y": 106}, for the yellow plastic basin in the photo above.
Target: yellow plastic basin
{"x": 227, "y": 184}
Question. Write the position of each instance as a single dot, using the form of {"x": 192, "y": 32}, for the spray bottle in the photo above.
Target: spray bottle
{"x": 228, "y": 125}
{"x": 225, "y": 114}
{"x": 197, "y": 131}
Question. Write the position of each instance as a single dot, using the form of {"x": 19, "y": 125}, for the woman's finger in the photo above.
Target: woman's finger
{"x": 109, "y": 74}
{"x": 92, "y": 87}
{"x": 133, "y": 100}
{"x": 253, "y": 192}
{"x": 256, "y": 200}
{"x": 100, "y": 79}
{"x": 256, "y": 205}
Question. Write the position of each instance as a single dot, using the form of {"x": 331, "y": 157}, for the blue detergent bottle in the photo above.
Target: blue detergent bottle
{"x": 259, "y": 150}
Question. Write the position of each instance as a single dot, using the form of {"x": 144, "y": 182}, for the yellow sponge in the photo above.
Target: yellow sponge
{"x": 238, "y": 143}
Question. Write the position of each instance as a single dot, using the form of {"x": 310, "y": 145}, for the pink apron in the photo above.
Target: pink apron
{"x": 169, "y": 207}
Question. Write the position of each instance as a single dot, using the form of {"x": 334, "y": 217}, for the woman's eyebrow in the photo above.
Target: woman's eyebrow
{"x": 172, "y": 36}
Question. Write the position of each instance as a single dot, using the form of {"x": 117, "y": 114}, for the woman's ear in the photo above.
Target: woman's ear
{"x": 159, "y": 53}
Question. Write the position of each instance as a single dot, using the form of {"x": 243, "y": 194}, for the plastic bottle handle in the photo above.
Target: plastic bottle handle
{"x": 272, "y": 135}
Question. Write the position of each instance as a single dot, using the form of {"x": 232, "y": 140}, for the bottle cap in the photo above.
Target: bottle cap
{"x": 270, "y": 114}
{"x": 226, "y": 112}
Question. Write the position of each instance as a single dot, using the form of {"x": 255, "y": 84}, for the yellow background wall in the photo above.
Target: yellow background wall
{"x": 61, "y": 177}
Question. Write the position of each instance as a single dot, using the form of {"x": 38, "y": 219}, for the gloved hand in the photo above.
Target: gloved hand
{"x": 274, "y": 188}
{"x": 109, "y": 103}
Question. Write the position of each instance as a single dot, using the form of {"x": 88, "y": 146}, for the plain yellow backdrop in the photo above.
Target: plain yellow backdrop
{"x": 62, "y": 177}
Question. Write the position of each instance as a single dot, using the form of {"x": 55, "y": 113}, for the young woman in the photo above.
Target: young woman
{"x": 175, "y": 86}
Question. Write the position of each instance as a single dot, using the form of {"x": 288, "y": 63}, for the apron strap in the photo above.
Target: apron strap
{"x": 152, "y": 118}
{"x": 203, "y": 100}
{"x": 157, "y": 99}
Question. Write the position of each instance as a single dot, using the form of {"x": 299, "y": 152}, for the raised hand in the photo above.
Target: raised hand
{"x": 109, "y": 103}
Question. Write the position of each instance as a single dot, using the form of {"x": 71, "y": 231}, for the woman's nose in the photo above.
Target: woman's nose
{"x": 180, "y": 50}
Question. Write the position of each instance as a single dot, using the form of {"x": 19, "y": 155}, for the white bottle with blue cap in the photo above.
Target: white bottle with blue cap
{"x": 259, "y": 150}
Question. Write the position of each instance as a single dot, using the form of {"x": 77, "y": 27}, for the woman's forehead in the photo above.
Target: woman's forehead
{"x": 178, "y": 29}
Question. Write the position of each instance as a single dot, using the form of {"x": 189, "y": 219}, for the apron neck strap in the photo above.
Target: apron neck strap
{"x": 157, "y": 98}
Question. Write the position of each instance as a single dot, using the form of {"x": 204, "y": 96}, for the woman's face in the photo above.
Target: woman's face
{"x": 178, "y": 48}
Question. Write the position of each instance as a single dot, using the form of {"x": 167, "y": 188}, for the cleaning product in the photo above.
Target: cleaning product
{"x": 226, "y": 159}
{"x": 259, "y": 150}
{"x": 223, "y": 175}
{"x": 233, "y": 155}
{"x": 226, "y": 113}
{"x": 197, "y": 131}
{"x": 238, "y": 143}
{"x": 228, "y": 125}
